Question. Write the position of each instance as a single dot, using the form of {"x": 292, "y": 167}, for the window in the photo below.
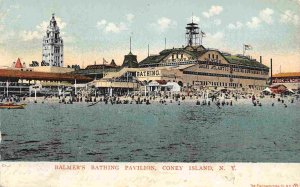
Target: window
{"x": 208, "y": 55}
{"x": 217, "y": 56}
{"x": 181, "y": 56}
{"x": 213, "y": 56}
{"x": 176, "y": 55}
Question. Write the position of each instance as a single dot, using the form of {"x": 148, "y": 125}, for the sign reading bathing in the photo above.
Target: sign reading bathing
{"x": 151, "y": 73}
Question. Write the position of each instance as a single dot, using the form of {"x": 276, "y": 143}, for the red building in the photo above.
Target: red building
{"x": 290, "y": 80}
{"x": 278, "y": 89}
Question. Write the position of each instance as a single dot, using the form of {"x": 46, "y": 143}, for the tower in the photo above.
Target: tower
{"x": 130, "y": 60}
{"x": 53, "y": 46}
{"x": 192, "y": 34}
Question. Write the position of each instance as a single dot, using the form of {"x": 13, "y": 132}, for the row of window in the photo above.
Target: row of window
{"x": 56, "y": 50}
{"x": 224, "y": 84}
{"x": 236, "y": 69}
{"x": 181, "y": 56}
{"x": 52, "y": 40}
{"x": 213, "y": 56}
{"x": 233, "y": 66}
{"x": 46, "y": 55}
{"x": 221, "y": 75}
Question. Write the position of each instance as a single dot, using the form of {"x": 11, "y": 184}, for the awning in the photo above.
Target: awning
{"x": 267, "y": 90}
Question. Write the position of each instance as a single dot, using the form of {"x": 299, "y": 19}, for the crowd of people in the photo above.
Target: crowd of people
{"x": 203, "y": 97}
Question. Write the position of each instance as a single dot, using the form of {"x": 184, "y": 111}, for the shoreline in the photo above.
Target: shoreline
{"x": 169, "y": 101}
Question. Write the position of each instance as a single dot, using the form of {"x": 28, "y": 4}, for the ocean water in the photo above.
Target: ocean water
{"x": 151, "y": 133}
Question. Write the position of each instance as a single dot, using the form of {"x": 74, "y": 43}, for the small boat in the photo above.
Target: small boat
{"x": 11, "y": 106}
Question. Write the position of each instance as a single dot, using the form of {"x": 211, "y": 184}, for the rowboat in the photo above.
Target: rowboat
{"x": 11, "y": 106}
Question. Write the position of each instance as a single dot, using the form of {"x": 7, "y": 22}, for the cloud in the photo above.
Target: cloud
{"x": 234, "y": 26}
{"x": 101, "y": 24}
{"x": 164, "y": 23}
{"x": 195, "y": 19}
{"x": 130, "y": 17}
{"x": 30, "y": 35}
{"x": 115, "y": 28}
{"x": 289, "y": 17}
{"x": 216, "y": 36}
{"x": 214, "y": 10}
{"x": 266, "y": 15}
{"x": 110, "y": 27}
{"x": 6, "y": 36}
{"x": 214, "y": 39}
{"x": 217, "y": 22}
{"x": 254, "y": 23}
{"x": 41, "y": 30}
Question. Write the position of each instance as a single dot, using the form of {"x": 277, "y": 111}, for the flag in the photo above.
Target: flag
{"x": 247, "y": 47}
{"x": 203, "y": 34}
{"x": 104, "y": 61}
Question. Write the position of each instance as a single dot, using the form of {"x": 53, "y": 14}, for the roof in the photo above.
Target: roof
{"x": 198, "y": 51}
{"x": 113, "y": 63}
{"x": 184, "y": 66}
{"x": 18, "y": 64}
{"x": 154, "y": 59}
{"x": 286, "y": 75}
{"x": 277, "y": 86}
{"x": 100, "y": 66}
{"x": 130, "y": 60}
{"x": 244, "y": 62}
{"x": 33, "y": 75}
{"x": 161, "y": 81}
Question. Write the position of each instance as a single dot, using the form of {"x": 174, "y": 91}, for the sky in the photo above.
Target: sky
{"x": 97, "y": 29}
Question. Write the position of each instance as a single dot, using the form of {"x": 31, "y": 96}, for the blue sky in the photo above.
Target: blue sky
{"x": 96, "y": 29}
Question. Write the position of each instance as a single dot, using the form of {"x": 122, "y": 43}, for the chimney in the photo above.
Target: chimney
{"x": 260, "y": 59}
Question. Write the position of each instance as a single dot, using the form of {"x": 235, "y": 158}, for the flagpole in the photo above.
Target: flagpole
{"x": 201, "y": 37}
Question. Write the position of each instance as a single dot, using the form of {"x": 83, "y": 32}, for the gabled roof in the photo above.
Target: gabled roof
{"x": 197, "y": 51}
{"x": 113, "y": 63}
{"x": 18, "y": 64}
{"x": 130, "y": 61}
{"x": 245, "y": 62}
{"x": 154, "y": 59}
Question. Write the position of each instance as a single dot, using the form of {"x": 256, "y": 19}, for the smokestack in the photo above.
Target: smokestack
{"x": 260, "y": 59}
{"x": 130, "y": 45}
{"x": 271, "y": 72}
